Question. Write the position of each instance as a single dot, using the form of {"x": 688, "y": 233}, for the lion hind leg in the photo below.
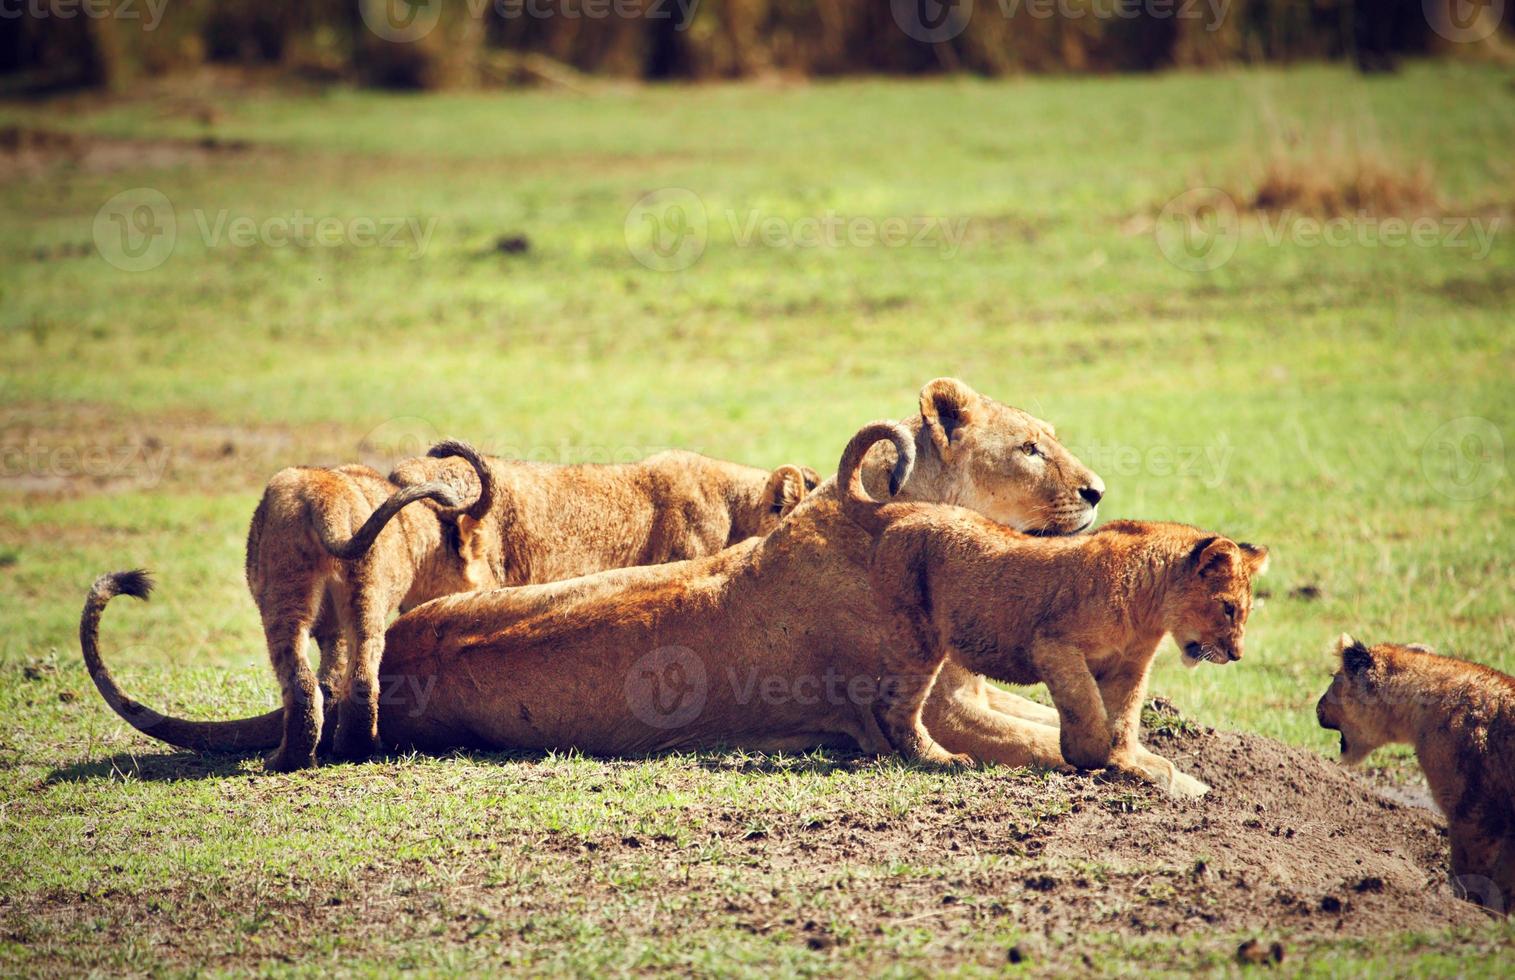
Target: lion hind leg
{"x": 967, "y": 725}
{"x": 288, "y": 616}
{"x": 358, "y": 715}
{"x": 1020, "y": 707}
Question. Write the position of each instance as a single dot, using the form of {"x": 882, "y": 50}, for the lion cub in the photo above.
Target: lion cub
{"x": 1084, "y": 615}
{"x": 551, "y": 522}
{"x": 1460, "y": 717}
{"x": 318, "y": 565}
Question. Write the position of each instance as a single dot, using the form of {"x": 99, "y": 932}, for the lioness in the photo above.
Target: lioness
{"x": 794, "y": 609}
{"x": 1460, "y": 717}
{"x": 1084, "y": 615}
{"x": 310, "y": 574}
{"x": 550, "y": 522}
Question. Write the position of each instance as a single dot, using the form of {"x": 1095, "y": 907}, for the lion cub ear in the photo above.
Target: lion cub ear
{"x": 1256, "y": 557}
{"x": 812, "y": 478}
{"x": 1213, "y": 556}
{"x": 1355, "y": 656}
{"x": 471, "y": 551}
{"x": 784, "y": 490}
{"x": 947, "y": 405}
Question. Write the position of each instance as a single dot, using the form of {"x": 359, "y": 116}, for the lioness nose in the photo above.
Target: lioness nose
{"x": 1092, "y": 494}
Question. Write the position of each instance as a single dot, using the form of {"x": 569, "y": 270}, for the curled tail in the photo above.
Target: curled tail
{"x": 357, "y": 546}
{"x": 863, "y": 510}
{"x": 456, "y": 447}
{"x": 244, "y": 735}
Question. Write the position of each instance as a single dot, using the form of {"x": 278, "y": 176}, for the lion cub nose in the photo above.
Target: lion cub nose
{"x": 1092, "y": 494}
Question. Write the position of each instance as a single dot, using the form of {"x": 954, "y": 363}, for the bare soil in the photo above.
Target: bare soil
{"x": 1289, "y": 848}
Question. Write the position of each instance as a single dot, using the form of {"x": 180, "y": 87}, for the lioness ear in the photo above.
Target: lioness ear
{"x": 785, "y": 489}
{"x": 1355, "y": 657}
{"x": 1213, "y": 555}
{"x": 812, "y": 478}
{"x": 946, "y": 406}
{"x": 1256, "y": 557}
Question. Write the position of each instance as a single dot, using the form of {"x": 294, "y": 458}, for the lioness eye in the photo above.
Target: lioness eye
{"x": 1031, "y": 449}
{"x": 1229, "y": 610}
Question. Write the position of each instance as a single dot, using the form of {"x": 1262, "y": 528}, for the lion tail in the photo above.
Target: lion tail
{"x": 349, "y": 549}
{"x": 863, "y": 510}
{"x": 456, "y": 447}
{"x": 243, "y": 735}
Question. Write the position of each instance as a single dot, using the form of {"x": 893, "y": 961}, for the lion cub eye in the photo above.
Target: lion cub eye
{"x": 1228, "y": 609}
{"x": 1031, "y": 449}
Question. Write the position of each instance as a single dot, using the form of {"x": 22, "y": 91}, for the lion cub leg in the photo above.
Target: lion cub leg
{"x": 1475, "y": 866}
{"x": 904, "y": 697}
{"x": 288, "y": 614}
{"x": 358, "y": 715}
{"x": 1084, "y": 729}
{"x": 1124, "y": 691}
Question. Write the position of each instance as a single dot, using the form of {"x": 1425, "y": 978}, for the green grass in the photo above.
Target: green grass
{"x": 1294, "y": 396}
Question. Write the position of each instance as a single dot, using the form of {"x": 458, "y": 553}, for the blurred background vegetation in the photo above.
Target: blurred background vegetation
{"x": 482, "y": 43}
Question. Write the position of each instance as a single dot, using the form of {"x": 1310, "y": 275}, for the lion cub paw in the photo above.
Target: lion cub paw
{"x": 1185, "y": 786}
{"x": 281, "y": 760}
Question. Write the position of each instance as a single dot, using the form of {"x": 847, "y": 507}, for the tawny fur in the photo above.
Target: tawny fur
{"x": 309, "y": 578}
{"x": 1460, "y": 717}
{"x": 1084, "y": 615}
{"x": 548, "y": 665}
{"x": 552, "y": 522}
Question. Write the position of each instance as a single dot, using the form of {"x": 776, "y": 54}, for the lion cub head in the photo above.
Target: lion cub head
{"x": 784, "y": 489}
{"x": 1001, "y": 462}
{"x": 1214, "y": 599}
{"x": 1357, "y": 705}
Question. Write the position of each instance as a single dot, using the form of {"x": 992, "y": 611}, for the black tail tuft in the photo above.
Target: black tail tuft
{"x": 136, "y": 583}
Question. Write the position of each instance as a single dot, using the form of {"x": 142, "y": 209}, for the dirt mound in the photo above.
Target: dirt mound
{"x": 1284, "y": 837}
